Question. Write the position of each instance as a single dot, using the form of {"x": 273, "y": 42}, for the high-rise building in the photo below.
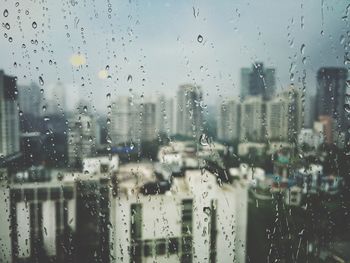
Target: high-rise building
{"x": 148, "y": 121}
{"x": 9, "y": 123}
{"x": 277, "y": 118}
{"x": 165, "y": 115}
{"x": 125, "y": 121}
{"x": 30, "y": 99}
{"x": 284, "y": 116}
{"x": 258, "y": 81}
{"x": 81, "y": 138}
{"x": 251, "y": 123}
{"x": 331, "y": 94}
{"x": 56, "y": 102}
{"x": 189, "y": 117}
{"x": 228, "y": 124}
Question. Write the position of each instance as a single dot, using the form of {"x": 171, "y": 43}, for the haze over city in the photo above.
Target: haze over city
{"x": 158, "y": 45}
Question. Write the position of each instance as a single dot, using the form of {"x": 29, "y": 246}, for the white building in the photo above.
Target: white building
{"x": 148, "y": 121}
{"x": 189, "y": 116}
{"x": 228, "y": 124}
{"x": 9, "y": 123}
{"x": 81, "y": 138}
{"x": 195, "y": 220}
{"x": 125, "y": 121}
{"x": 36, "y": 217}
{"x": 165, "y": 117}
{"x": 251, "y": 123}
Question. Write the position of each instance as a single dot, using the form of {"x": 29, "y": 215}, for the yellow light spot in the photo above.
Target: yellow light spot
{"x": 103, "y": 74}
{"x": 77, "y": 60}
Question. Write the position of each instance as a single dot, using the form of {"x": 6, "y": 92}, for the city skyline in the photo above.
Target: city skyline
{"x": 231, "y": 38}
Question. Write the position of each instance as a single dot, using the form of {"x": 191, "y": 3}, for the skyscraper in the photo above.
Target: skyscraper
{"x": 284, "y": 116}
{"x": 9, "y": 124}
{"x": 258, "y": 81}
{"x": 228, "y": 120}
{"x": 29, "y": 97}
{"x": 81, "y": 138}
{"x": 331, "y": 91}
{"x": 165, "y": 115}
{"x": 148, "y": 121}
{"x": 252, "y": 113}
{"x": 189, "y": 110}
{"x": 125, "y": 121}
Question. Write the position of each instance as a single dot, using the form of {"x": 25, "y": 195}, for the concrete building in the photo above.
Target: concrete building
{"x": 251, "y": 123}
{"x": 228, "y": 123}
{"x": 9, "y": 123}
{"x": 38, "y": 219}
{"x": 81, "y": 138}
{"x": 193, "y": 220}
{"x": 277, "y": 126}
{"x": 148, "y": 121}
{"x": 165, "y": 117}
{"x": 30, "y": 99}
{"x": 189, "y": 111}
{"x": 331, "y": 90}
{"x": 258, "y": 81}
{"x": 125, "y": 121}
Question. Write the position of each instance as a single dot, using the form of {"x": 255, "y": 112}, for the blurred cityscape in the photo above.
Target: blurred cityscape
{"x": 255, "y": 178}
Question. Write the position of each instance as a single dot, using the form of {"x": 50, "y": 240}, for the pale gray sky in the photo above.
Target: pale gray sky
{"x": 156, "y": 43}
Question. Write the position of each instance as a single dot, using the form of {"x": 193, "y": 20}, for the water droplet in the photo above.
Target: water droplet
{"x": 207, "y": 210}
{"x": 41, "y": 81}
{"x": 6, "y": 13}
{"x": 204, "y": 140}
{"x": 304, "y": 60}
{"x": 302, "y": 49}
{"x": 46, "y": 118}
{"x": 20, "y": 113}
{"x": 7, "y": 26}
{"x": 85, "y": 108}
{"x": 108, "y": 96}
{"x": 347, "y": 107}
{"x": 44, "y": 108}
{"x": 129, "y": 79}
{"x": 34, "y": 25}
{"x": 200, "y": 38}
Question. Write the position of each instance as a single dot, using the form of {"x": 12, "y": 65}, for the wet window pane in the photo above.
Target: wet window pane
{"x": 174, "y": 131}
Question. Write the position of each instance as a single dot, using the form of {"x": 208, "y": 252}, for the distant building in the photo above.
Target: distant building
{"x": 189, "y": 111}
{"x": 165, "y": 117}
{"x": 284, "y": 116}
{"x": 56, "y": 102}
{"x": 251, "y": 123}
{"x": 148, "y": 121}
{"x": 331, "y": 94}
{"x": 258, "y": 81}
{"x": 125, "y": 121}
{"x": 228, "y": 123}
{"x": 30, "y": 99}
{"x": 9, "y": 122}
{"x": 81, "y": 138}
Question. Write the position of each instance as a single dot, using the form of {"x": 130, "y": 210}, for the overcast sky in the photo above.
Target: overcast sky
{"x": 93, "y": 46}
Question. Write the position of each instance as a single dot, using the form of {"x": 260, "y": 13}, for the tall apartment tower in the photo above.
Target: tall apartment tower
{"x": 284, "y": 117}
{"x": 228, "y": 124}
{"x": 29, "y": 98}
{"x": 258, "y": 81}
{"x": 331, "y": 94}
{"x": 9, "y": 123}
{"x": 252, "y": 113}
{"x": 125, "y": 121}
{"x": 189, "y": 110}
{"x": 148, "y": 121}
{"x": 165, "y": 115}
{"x": 81, "y": 138}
